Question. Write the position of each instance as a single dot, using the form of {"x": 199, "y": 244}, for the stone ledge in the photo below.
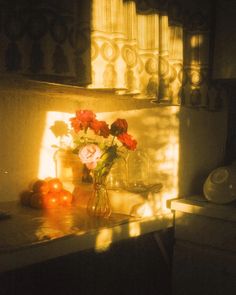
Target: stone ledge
{"x": 33, "y": 236}
{"x": 198, "y": 205}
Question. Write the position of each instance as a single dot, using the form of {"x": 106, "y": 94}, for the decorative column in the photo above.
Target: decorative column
{"x": 164, "y": 91}
{"x": 107, "y": 36}
{"x": 148, "y": 51}
{"x": 175, "y": 53}
{"x": 197, "y": 61}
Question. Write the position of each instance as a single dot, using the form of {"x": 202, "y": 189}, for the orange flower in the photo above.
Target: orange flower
{"x": 127, "y": 141}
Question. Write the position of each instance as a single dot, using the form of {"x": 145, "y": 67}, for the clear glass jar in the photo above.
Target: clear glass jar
{"x": 69, "y": 168}
{"x": 137, "y": 168}
{"x": 117, "y": 177}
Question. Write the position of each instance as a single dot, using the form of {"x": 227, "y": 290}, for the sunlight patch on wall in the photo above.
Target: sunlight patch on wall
{"x": 104, "y": 74}
{"x": 47, "y": 151}
{"x": 157, "y": 133}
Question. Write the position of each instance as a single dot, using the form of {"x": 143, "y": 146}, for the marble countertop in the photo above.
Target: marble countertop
{"x": 30, "y": 236}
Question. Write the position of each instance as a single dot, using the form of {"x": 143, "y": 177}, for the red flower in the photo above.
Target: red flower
{"x": 127, "y": 141}
{"x": 83, "y": 120}
{"x": 118, "y": 127}
{"x": 76, "y": 124}
{"x": 85, "y": 116}
{"x": 101, "y": 128}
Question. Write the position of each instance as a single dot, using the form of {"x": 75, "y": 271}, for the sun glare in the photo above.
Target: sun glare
{"x": 103, "y": 239}
{"x": 134, "y": 229}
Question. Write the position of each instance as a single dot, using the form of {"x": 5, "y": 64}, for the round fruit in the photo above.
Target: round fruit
{"x": 36, "y": 200}
{"x": 55, "y": 185}
{"x": 40, "y": 186}
{"x": 50, "y": 200}
{"x": 25, "y": 197}
{"x": 65, "y": 198}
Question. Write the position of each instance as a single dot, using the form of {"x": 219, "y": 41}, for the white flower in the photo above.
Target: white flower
{"x": 89, "y": 155}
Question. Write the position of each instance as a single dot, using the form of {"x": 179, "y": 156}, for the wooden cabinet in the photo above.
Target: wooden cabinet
{"x": 199, "y": 269}
{"x": 132, "y": 266}
{"x": 204, "y": 257}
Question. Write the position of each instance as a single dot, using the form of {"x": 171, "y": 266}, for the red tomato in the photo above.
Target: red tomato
{"x": 55, "y": 185}
{"x": 25, "y": 197}
{"x": 36, "y": 200}
{"x": 51, "y": 200}
{"x": 41, "y": 186}
{"x": 65, "y": 198}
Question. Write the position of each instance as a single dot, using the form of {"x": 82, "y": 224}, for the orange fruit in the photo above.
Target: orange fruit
{"x": 55, "y": 185}
{"x": 36, "y": 200}
{"x": 51, "y": 200}
{"x": 40, "y": 186}
{"x": 65, "y": 198}
{"x": 25, "y": 197}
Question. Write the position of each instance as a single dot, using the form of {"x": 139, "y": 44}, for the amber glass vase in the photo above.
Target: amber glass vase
{"x": 99, "y": 203}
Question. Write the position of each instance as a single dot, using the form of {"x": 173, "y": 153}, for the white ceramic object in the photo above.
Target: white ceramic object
{"x": 220, "y": 185}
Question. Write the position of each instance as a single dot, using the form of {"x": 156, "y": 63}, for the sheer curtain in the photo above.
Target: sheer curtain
{"x": 137, "y": 49}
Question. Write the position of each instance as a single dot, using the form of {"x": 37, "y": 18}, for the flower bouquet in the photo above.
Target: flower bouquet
{"x": 98, "y": 146}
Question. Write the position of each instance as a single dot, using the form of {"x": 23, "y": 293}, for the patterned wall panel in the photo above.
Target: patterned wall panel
{"x": 138, "y": 50}
{"x": 43, "y": 39}
{"x": 149, "y": 49}
{"x": 199, "y": 91}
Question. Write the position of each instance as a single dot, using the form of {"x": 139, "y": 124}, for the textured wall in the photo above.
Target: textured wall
{"x": 24, "y": 107}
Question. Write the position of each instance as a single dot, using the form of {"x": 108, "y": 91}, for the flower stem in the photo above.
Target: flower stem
{"x": 112, "y": 140}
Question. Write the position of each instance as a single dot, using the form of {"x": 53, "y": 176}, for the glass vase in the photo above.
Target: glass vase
{"x": 99, "y": 203}
{"x": 68, "y": 168}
